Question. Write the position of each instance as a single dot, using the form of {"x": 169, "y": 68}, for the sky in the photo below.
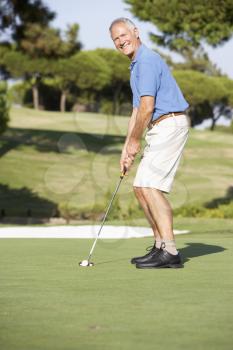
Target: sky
{"x": 95, "y": 16}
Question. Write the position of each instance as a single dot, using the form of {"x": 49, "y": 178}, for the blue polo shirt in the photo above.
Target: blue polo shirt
{"x": 150, "y": 76}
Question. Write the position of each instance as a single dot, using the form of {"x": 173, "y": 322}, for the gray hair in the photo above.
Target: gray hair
{"x": 127, "y": 21}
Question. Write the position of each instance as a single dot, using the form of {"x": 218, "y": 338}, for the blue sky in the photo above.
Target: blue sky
{"x": 94, "y": 17}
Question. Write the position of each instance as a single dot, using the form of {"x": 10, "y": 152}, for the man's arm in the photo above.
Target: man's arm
{"x": 143, "y": 117}
{"x": 138, "y": 122}
{"x": 131, "y": 124}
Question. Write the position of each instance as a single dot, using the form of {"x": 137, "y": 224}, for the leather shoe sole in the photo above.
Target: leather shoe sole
{"x": 172, "y": 266}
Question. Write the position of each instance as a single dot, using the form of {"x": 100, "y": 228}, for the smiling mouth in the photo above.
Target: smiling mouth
{"x": 124, "y": 46}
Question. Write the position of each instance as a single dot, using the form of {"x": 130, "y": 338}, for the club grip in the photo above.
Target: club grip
{"x": 123, "y": 173}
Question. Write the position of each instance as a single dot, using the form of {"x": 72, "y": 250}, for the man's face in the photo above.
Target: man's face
{"x": 125, "y": 39}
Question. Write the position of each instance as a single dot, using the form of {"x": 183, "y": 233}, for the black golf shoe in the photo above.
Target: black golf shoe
{"x": 153, "y": 251}
{"x": 162, "y": 259}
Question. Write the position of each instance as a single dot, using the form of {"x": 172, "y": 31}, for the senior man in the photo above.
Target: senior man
{"x": 158, "y": 104}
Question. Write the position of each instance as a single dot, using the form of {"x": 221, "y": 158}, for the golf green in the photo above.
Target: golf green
{"x": 48, "y": 302}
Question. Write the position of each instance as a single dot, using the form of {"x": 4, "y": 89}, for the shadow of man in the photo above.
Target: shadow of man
{"x": 193, "y": 250}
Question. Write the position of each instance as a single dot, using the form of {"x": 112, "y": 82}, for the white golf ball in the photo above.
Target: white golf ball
{"x": 84, "y": 263}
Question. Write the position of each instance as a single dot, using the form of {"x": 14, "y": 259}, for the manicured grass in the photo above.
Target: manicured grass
{"x": 49, "y": 302}
{"x": 52, "y": 160}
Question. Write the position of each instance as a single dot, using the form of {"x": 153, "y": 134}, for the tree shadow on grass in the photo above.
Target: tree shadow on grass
{"x": 23, "y": 203}
{"x": 193, "y": 250}
{"x": 227, "y": 199}
{"x": 48, "y": 141}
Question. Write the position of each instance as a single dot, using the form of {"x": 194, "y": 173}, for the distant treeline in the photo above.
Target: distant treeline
{"x": 98, "y": 81}
{"x": 54, "y": 73}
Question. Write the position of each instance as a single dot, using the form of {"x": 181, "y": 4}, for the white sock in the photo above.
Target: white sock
{"x": 170, "y": 247}
{"x": 158, "y": 243}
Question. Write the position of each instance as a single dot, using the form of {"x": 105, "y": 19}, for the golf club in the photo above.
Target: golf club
{"x": 85, "y": 263}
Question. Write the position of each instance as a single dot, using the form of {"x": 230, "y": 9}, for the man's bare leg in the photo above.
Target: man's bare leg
{"x": 161, "y": 213}
{"x": 140, "y": 197}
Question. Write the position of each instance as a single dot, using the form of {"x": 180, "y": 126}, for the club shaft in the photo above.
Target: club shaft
{"x": 105, "y": 216}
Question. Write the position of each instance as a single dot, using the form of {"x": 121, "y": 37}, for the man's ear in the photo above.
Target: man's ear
{"x": 136, "y": 31}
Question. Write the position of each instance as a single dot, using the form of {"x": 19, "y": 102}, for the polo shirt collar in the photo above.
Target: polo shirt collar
{"x": 138, "y": 54}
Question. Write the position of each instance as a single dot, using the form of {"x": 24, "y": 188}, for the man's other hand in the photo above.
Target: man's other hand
{"x": 133, "y": 148}
{"x": 125, "y": 162}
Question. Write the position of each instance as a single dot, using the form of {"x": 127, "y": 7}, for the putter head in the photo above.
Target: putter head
{"x": 86, "y": 263}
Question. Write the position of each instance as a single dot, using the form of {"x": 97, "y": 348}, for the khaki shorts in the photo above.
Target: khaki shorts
{"x": 164, "y": 146}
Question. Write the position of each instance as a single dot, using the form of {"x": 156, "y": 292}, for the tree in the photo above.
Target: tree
{"x": 183, "y": 22}
{"x": 4, "y": 49}
{"x": 4, "y": 116}
{"x": 185, "y": 25}
{"x": 71, "y": 42}
{"x": 15, "y": 15}
{"x": 48, "y": 42}
{"x": 19, "y": 17}
{"x": 119, "y": 78}
{"x": 91, "y": 73}
{"x": 86, "y": 70}
{"x": 64, "y": 76}
{"x": 209, "y": 97}
{"x": 38, "y": 52}
{"x": 36, "y": 46}
{"x": 20, "y": 65}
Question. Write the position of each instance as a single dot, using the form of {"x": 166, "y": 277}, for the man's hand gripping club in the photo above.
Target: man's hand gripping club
{"x": 139, "y": 120}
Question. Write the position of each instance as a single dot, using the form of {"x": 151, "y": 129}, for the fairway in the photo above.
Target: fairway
{"x": 57, "y": 144}
{"x": 48, "y": 302}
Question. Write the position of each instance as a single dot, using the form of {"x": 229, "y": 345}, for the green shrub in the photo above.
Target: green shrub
{"x": 4, "y": 107}
{"x": 227, "y": 210}
{"x": 121, "y": 211}
{"x": 189, "y": 211}
{"x": 118, "y": 211}
{"x": 71, "y": 212}
{"x": 223, "y": 211}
